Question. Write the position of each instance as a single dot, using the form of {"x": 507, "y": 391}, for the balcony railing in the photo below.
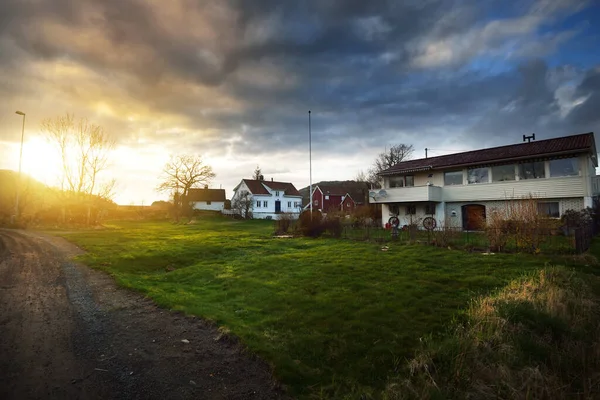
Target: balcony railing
{"x": 406, "y": 194}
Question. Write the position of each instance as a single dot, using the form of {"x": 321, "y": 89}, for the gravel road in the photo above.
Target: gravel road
{"x": 67, "y": 331}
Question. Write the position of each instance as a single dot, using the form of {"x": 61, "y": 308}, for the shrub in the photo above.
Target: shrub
{"x": 312, "y": 227}
{"x": 445, "y": 235}
{"x": 572, "y": 219}
{"x": 518, "y": 222}
{"x": 283, "y": 223}
{"x": 333, "y": 224}
{"x": 361, "y": 216}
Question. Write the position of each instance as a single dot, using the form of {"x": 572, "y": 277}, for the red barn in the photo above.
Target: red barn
{"x": 344, "y": 196}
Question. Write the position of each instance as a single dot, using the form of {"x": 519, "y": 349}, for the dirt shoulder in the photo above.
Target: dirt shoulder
{"x": 68, "y": 331}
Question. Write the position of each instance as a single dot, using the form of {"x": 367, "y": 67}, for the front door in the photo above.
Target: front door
{"x": 473, "y": 217}
{"x": 277, "y": 206}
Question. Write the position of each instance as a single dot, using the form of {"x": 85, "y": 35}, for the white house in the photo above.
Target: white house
{"x": 458, "y": 188}
{"x": 269, "y": 198}
{"x": 207, "y": 199}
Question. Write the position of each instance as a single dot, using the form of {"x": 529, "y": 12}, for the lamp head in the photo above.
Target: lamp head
{"x": 20, "y": 113}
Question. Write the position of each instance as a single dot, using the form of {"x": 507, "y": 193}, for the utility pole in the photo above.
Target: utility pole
{"x": 16, "y": 216}
{"x": 310, "y": 165}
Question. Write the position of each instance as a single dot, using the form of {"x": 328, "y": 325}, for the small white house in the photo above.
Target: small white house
{"x": 269, "y": 198}
{"x": 207, "y": 199}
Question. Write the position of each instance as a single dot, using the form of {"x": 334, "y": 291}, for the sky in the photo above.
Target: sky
{"x": 233, "y": 80}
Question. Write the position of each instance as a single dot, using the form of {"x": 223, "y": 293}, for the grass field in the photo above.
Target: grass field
{"x": 335, "y": 317}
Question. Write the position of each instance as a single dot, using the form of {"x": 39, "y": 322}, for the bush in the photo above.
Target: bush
{"x": 445, "y": 235}
{"x": 572, "y": 219}
{"x": 333, "y": 224}
{"x": 283, "y": 223}
{"x": 312, "y": 227}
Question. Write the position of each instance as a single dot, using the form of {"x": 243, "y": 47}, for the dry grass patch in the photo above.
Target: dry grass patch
{"x": 535, "y": 339}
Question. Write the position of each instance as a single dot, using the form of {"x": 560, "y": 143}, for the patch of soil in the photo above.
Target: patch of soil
{"x": 69, "y": 332}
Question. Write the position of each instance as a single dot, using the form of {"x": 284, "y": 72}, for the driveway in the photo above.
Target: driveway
{"x": 67, "y": 331}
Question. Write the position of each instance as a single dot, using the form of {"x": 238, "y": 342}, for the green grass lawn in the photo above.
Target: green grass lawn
{"x": 335, "y": 317}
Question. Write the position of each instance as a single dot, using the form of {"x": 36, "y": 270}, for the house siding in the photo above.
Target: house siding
{"x": 539, "y": 188}
{"x": 213, "y": 206}
{"x": 572, "y": 192}
{"x": 453, "y": 211}
{"x": 269, "y": 211}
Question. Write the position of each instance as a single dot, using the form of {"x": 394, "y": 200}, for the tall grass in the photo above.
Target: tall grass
{"x": 535, "y": 339}
{"x": 519, "y": 223}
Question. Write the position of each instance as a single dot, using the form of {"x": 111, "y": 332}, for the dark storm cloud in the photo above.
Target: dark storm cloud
{"x": 365, "y": 68}
{"x": 588, "y": 113}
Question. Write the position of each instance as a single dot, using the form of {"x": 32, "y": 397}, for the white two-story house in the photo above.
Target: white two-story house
{"x": 269, "y": 198}
{"x": 457, "y": 189}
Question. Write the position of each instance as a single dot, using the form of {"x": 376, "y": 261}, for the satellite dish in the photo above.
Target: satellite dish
{"x": 382, "y": 193}
{"x": 372, "y": 194}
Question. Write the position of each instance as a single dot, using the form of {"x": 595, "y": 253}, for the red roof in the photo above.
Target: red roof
{"x": 256, "y": 187}
{"x": 356, "y": 190}
{"x": 583, "y": 143}
{"x": 206, "y": 195}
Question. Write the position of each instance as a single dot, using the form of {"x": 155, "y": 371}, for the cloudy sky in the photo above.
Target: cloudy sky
{"x": 233, "y": 80}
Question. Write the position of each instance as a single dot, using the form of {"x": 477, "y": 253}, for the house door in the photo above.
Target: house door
{"x": 277, "y": 206}
{"x": 473, "y": 216}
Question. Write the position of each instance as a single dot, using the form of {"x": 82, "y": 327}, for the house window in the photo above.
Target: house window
{"x": 265, "y": 204}
{"x": 532, "y": 170}
{"x": 501, "y": 173}
{"x": 453, "y": 178}
{"x": 549, "y": 209}
{"x": 430, "y": 209}
{"x": 316, "y": 202}
{"x": 208, "y": 203}
{"x": 276, "y": 193}
{"x": 394, "y": 209}
{"x": 478, "y": 175}
{"x": 258, "y": 204}
{"x": 411, "y": 210}
{"x": 396, "y": 181}
{"x": 409, "y": 180}
{"x": 564, "y": 167}
{"x": 289, "y": 204}
{"x": 326, "y": 197}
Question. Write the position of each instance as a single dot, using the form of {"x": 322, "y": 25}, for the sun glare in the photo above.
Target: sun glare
{"x": 41, "y": 160}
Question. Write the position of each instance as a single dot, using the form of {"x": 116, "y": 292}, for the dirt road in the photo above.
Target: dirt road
{"x": 68, "y": 332}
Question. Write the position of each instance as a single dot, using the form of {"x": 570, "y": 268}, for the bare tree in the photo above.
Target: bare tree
{"x": 361, "y": 176}
{"x": 243, "y": 204}
{"x": 84, "y": 150}
{"x": 257, "y": 174}
{"x": 182, "y": 173}
{"x": 395, "y": 154}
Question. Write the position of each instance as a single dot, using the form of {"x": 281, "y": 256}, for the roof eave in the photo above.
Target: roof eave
{"x": 498, "y": 160}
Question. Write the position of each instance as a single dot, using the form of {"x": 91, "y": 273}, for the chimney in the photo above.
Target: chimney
{"x": 271, "y": 179}
{"x": 205, "y": 186}
{"x": 261, "y": 178}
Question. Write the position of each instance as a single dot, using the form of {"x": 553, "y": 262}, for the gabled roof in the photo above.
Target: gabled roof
{"x": 206, "y": 195}
{"x": 256, "y": 187}
{"x": 334, "y": 190}
{"x": 576, "y": 144}
{"x": 356, "y": 190}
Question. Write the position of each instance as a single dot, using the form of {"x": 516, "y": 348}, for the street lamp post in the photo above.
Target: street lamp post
{"x": 310, "y": 166}
{"x": 20, "y": 162}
